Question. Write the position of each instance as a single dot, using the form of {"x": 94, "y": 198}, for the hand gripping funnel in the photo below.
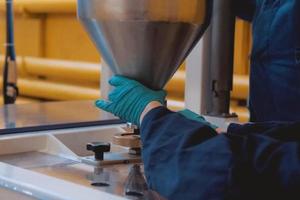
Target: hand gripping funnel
{"x": 146, "y": 40}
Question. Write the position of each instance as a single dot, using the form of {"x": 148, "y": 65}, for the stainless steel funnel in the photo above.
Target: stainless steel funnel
{"x": 146, "y": 40}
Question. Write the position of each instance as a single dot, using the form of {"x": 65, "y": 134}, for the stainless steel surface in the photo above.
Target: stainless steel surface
{"x": 85, "y": 175}
{"x": 53, "y": 114}
{"x": 47, "y": 187}
{"x": 114, "y": 176}
{"x": 209, "y": 68}
{"x": 78, "y": 173}
{"x": 146, "y": 40}
{"x": 110, "y": 179}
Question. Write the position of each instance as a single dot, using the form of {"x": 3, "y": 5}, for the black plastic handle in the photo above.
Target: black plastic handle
{"x": 99, "y": 148}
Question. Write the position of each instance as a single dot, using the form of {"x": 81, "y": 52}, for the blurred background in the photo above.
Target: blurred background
{"x": 57, "y": 61}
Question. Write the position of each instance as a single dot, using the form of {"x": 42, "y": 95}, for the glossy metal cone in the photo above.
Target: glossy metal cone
{"x": 146, "y": 40}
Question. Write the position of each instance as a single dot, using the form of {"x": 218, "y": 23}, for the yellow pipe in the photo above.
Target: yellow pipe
{"x": 42, "y": 6}
{"x": 242, "y": 47}
{"x": 66, "y": 71}
{"x": 240, "y": 87}
{"x": 63, "y": 70}
{"x": 56, "y": 91}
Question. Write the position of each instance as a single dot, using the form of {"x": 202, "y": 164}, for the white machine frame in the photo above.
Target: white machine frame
{"x": 46, "y": 187}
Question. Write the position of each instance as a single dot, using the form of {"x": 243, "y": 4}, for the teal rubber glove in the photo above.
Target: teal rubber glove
{"x": 193, "y": 116}
{"x": 129, "y": 98}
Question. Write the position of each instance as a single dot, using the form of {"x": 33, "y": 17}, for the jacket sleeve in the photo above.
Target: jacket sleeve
{"x": 185, "y": 159}
{"x": 178, "y": 156}
{"x": 266, "y": 161}
{"x": 245, "y": 9}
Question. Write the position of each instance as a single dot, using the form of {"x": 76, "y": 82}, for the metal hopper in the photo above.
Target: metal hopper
{"x": 146, "y": 40}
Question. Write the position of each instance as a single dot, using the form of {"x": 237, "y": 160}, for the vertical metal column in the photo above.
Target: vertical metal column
{"x": 209, "y": 68}
{"x": 10, "y": 89}
{"x": 221, "y": 57}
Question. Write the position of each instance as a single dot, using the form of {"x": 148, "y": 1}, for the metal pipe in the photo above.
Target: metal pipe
{"x": 10, "y": 89}
{"x": 222, "y": 51}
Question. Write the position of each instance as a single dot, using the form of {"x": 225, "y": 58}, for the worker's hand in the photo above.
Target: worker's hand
{"x": 129, "y": 99}
{"x": 193, "y": 116}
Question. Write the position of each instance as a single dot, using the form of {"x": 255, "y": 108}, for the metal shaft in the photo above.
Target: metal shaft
{"x": 222, "y": 51}
{"x": 10, "y": 90}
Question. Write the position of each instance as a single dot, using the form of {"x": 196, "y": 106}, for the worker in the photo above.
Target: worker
{"x": 185, "y": 157}
{"x": 275, "y": 58}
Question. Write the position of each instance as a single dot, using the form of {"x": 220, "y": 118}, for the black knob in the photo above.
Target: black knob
{"x": 98, "y": 148}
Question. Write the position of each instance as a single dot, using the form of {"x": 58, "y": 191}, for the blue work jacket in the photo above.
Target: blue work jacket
{"x": 187, "y": 160}
{"x": 275, "y": 58}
